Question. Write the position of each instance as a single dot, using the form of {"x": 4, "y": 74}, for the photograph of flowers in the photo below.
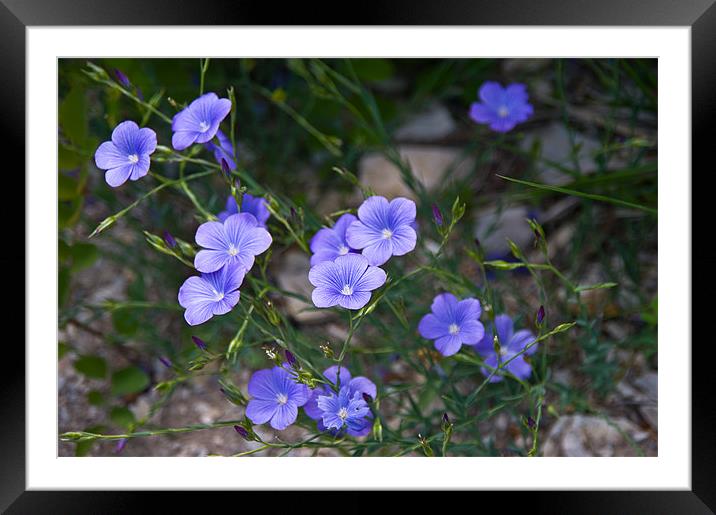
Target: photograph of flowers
{"x": 357, "y": 257}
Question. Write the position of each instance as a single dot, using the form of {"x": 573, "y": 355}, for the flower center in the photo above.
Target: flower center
{"x": 218, "y": 295}
{"x": 454, "y": 329}
{"x": 347, "y": 290}
{"x": 387, "y": 234}
{"x": 204, "y": 126}
{"x": 281, "y": 398}
{"x": 233, "y": 250}
{"x": 502, "y": 112}
{"x": 343, "y": 250}
{"x": 343, "y": 413}
{"x": 133, "y": 158}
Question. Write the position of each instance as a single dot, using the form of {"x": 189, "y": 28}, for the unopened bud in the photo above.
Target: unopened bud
{"x": 540, "y": 315}
{"x": 437, "y": 215}
{"x": 121, "y": 444}
{"x": 122, "y": 78}
{"x": 225, "y": 167}
{"x": 165, "y": 362}
{"x": 290, "y": 358}
{"x": 243, "y": 432}
{"x": 169, "y": 240}
{"x": 199, "y": 342}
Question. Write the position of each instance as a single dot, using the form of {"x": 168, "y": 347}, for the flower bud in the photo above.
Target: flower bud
{"x": 199, "y": 342}
{"x": 165, "y": 362}
{"x": 437, "y": 215}
{"x": 445, "y": 421}
{"x": 169, "y": 240}
{"x": 290, "y": 358}
{"x": 121, "y": 444}
{"x": 243, "y": 432}
{"x": 122, "y": 78}
{"x": 540, "y": 315}
{"x": 225, "y": 168}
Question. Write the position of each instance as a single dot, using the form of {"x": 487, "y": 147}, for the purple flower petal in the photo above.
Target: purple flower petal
{"x": 431, "y": 327}
{"x": 355, "y": 301}
{"x": 284, "y": 416}
{"x": 402, "y": 211}
{"x": 379, "y": 252}
{"x": 363, "y": 385}
{"x": 260, "y": 411}
{"x": 468, "y": 309}
{"x": 444, "y": 307}
{"x": 519, "y": 367}
{"x": 372, "y": 279}
{"x": 108, "y": 156}
{"x": 520, "y": 340}
{"x": 332, "y": 373}
{"x": 448, "y": 345}
{"x": 404, "y": 239}
{"x": 504, "y": 327}
{"x": 118, "y": 176}
{"x": 471, "y": 332}
{"x": 183, "y": 139}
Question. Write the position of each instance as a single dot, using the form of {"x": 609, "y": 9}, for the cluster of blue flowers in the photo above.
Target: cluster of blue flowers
{"x": 345, "y": 266}
{"x": 339, "y": 408}
{"x": 454, "y": 323}
{"x": 230, "y": 245}
{"x": 343, "y": 276}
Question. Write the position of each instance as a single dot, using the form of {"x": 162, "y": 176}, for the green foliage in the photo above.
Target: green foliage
{"x": 93, "y": 367}
{"x": 128, "y": 381}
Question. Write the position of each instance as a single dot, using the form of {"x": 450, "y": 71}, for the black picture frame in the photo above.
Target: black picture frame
{"x": 16, "y": 15}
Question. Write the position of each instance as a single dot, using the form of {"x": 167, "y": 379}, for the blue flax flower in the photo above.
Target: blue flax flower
{"x": 358, "y": 384}
{"x": 199, "y": 121}
{"x": 237, "y": 240}
{"x": 501, "y": 108}
{"x": 452, "y": 323}
{"x": 276, "y": 397}
{"x": 211, "y": 294}
{"x": 257, "y": 206}
{"x": 344, "y": 410}
{"x": 330, "y": 242}
{"x": 511, "y": 343}
{"x": 383, "y": 228}
{"x": 345, "y": 282}
{"x": 127, "y": 155}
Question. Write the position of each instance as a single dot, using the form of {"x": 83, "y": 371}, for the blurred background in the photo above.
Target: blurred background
{"x": 588, "y": 156}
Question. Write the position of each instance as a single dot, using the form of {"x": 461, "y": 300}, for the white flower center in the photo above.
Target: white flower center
{"x": 343, "y": 250}
{"x": 387, "y": 234}
{"x": 133, "y": 158}
{"x": 502, "y": 112}
{"x": 503, "y": 352}
{"x": 454, "y": 329}
{"x": 233, "y": 250}
{"x": 281, "y": 398}
{"x": 204, "y": 126}
{"x": 217, "y": 295}
{"x": 343, "y": 413}
{"x": 347, "y": 290}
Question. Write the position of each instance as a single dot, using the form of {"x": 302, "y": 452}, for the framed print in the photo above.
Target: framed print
{"x": 447, "y": 248}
